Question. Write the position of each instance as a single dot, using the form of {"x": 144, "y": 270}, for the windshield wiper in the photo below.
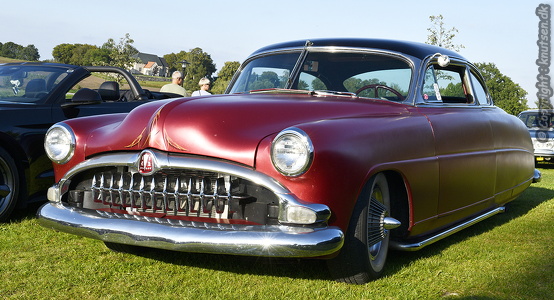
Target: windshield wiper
{"x": 318, "y": 93}
{"x": 321, "y": 93}
{"x": 279, "y": 91}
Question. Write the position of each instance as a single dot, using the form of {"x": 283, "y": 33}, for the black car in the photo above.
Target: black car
{"x": 34, "y": 96}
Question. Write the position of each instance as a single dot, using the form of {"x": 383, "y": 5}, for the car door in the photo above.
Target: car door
{"x": 463, "y": 140}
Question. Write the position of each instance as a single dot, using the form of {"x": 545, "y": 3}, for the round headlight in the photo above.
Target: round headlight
{"x": 292, "y": 152}
{"x": 59, "y": 143}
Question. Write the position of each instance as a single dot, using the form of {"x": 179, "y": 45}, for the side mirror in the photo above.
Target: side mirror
{"x": 442, "y": 60}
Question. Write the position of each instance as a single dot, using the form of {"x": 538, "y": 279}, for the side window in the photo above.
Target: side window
{"x": 480, "y": 94}
{"x": 446, "y": 85}
{"x": 388, "y": 82}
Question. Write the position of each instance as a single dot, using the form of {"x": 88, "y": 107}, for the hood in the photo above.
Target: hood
{"x": 228, "y": 127}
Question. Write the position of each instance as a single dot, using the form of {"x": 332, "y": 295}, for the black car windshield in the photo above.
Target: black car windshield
{"x": 28, "y": 83}
{"x": 366, "y": 74}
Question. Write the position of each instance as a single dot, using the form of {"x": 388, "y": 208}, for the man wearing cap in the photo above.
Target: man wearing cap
{"x": 175, "y": 87}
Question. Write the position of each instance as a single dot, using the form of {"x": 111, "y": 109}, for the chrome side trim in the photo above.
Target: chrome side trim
{"x": 267, "y": 241}
{"x": 443, "y": 234}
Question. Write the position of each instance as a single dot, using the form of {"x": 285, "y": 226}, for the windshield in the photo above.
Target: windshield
{"x": 28, "y": 84}
{"x": 537, "y": 120}
{"x": 365, "y": 74}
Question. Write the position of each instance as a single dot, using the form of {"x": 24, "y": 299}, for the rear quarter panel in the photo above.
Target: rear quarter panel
{"x": 515, "y": 155}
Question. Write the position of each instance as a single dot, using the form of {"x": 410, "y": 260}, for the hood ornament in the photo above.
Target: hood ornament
{"x": 147, "y": 164}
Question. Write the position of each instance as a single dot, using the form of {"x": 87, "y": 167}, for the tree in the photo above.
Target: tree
{"x": 63, "y": 53}
{"x": 97, "y": 57}
{"x": 174, "y": 61}
{"x": 15, "y": 51}
{"x": 81, "y": 55}
{"x": 10, "y": 50}
{"x": 506, "y": 94}
{"x": 224, "y": 77}
{"x": 121, "y": 54}
{"x": 200, "y": 65}
{"x": 29, "y": 53}
{"x": 441, "y": 37}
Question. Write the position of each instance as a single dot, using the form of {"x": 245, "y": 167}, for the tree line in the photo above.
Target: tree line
{"x": 16, "y": 51}
{"x": 123, "y": 54}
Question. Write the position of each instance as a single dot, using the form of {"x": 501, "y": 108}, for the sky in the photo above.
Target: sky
{"x": 501, "y": 32}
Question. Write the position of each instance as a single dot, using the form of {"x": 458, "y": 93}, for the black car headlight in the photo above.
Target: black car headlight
{"x": 292, "y": 152}
{"x": 59, "y": 143}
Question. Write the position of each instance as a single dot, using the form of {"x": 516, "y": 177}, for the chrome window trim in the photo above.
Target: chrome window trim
{"x": 304, "y": 51}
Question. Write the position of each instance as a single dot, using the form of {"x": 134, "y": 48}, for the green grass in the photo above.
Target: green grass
{"x": 5, "y": 60}
{"x": 509, "y": 256}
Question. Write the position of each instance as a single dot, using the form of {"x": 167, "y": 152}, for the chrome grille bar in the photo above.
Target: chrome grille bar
{"x": 200, "y": 194}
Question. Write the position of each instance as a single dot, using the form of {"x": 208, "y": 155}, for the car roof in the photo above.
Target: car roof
{"x": 418, "y": 50}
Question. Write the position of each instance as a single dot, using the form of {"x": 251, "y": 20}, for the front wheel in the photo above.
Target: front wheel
{"x": 363, "y": 256}
{"x": 9, "y": 184}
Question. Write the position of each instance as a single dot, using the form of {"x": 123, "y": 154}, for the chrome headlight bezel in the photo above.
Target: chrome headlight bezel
{"x": 59, "y": 143}
{"x": 297, "y": 158}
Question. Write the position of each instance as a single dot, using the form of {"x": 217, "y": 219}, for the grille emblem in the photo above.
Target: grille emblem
{"x": 146, "y": 164}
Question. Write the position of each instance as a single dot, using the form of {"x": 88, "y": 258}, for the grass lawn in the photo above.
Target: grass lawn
{"x": 509, "y": 256}
{"x": 5, "y": 60}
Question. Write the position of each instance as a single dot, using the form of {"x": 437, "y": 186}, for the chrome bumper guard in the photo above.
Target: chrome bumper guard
{"x": 169, "y": 234}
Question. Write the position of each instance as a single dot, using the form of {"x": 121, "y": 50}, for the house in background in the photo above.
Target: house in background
{"x": 150, "y": 64}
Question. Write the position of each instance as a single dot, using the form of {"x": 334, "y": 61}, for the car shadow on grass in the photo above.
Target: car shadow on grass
{"x": 20, "y": 214}
{"x": 530, "y": 199}
{"x": 280, "y": 267}
{"x": 314, "y": 269}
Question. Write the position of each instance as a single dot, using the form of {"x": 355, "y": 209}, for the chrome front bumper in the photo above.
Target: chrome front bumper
{"x": 267, "y": 241}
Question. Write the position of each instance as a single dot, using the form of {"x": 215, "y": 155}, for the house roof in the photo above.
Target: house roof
{"x": 145, "y": 58}
{"x": 149, "y": 64}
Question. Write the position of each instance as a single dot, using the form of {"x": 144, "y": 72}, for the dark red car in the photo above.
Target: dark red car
{"x": 336, "y": 148}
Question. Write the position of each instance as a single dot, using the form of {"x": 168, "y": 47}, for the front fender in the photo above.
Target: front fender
{"x": 347, "y": 152}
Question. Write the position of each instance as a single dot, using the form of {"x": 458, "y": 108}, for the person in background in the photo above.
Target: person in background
{"x": 204, "y": 84}
{"x": 176, "y": 85}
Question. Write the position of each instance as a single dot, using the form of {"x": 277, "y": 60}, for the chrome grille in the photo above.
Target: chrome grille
{"x": 184, "y": 193}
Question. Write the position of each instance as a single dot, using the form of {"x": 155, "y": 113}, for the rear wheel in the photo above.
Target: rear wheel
{"x": 363, "y": 256}
{"x": 9, "y": 184}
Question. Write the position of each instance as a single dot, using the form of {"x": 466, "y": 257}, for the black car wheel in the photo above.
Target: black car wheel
{"x": 363, "y": 256}
{"x": 9, "y": 184}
